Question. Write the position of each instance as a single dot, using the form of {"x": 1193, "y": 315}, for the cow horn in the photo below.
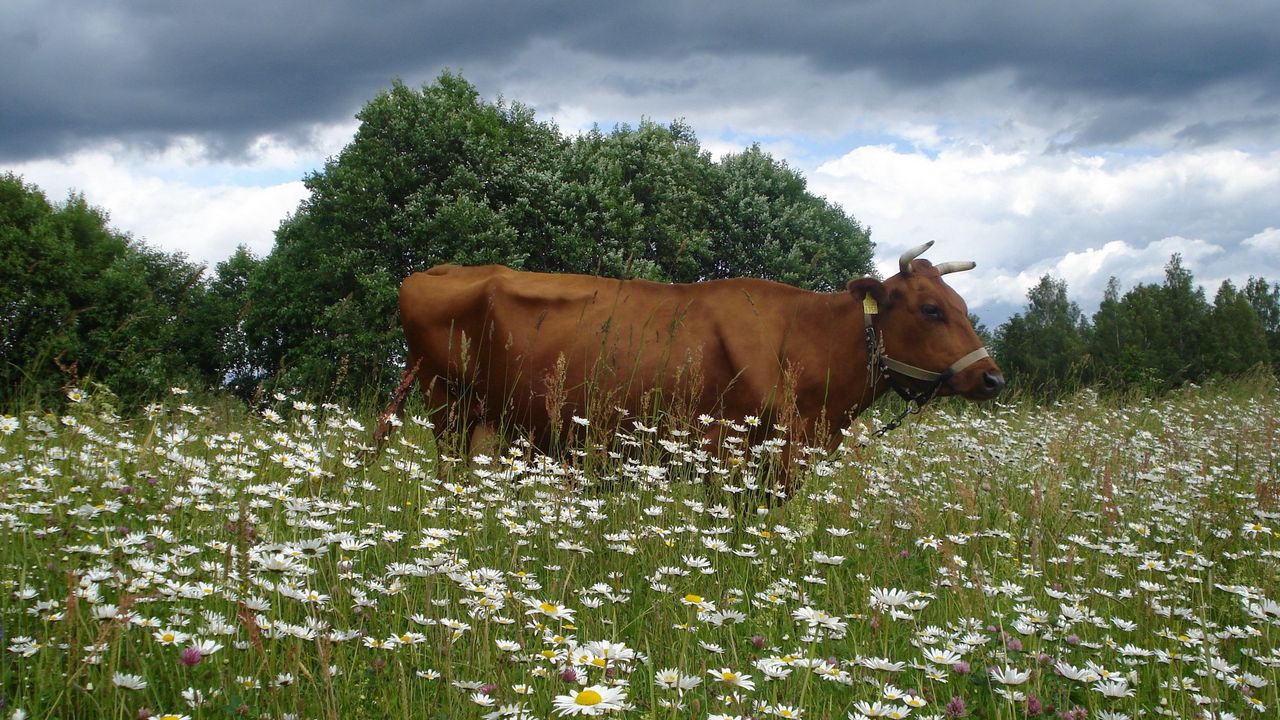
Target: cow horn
{"x": 955, "y": 266}
{"x": 904, "y": 262}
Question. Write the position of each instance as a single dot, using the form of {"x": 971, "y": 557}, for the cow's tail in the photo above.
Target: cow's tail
{"x": 387, "y": 419}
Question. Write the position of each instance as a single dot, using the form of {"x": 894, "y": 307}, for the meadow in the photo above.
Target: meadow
{"x": 1093, "y": 558}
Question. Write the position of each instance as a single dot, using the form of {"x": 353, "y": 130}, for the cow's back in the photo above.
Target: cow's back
{"x": 598, "y": 342}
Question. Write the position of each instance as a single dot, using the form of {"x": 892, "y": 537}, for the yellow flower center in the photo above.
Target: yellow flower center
{"x": 691, "y": 598}
{"x": 548, "y": 607}
{"x": 599, "y": 662}
{"x": 588, "y": 697}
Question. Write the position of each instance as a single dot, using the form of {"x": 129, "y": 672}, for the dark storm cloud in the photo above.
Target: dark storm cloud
{"x": 143, "y": 72}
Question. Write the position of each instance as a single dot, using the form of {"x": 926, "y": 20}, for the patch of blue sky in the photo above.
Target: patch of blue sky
{"x": 232, "y": 175}
{"x": 809, "y": 151}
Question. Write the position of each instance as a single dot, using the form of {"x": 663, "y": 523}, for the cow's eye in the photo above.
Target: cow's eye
{"x": 931, "y": 311}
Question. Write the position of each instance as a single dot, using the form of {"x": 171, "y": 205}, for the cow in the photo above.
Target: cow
{"x": 541, "y": 355}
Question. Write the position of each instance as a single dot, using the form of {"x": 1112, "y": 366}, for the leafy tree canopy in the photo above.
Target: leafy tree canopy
{"x": 81, "y": 300}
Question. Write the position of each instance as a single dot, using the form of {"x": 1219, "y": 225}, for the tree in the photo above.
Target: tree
{"x": 769, "y": 225}
{"x": 1042, "y": 348}
{"x": 1237, "y": 341}
{"x": 1264, "y": 298}
{"x": 432, "y": 176}
{"x": 217, "y": 324}
{"x": 1183, "y": 314}
{"x": 636, "y": 202}
{"x": 79, "y": 299}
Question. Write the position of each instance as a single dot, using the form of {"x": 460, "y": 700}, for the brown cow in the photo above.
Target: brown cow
{"x": 528, "y": 351}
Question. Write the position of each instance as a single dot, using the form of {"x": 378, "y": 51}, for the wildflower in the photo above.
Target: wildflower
{"x": 592, "y": 700}
{"x": 248, "y": 683}
{"x": 1010, "y": 676}
{"x": 673, "y": 679}
{"x": 786, "y": 711}
{"x": 942, "y": 657}
{"x": 1116, "y": 688}
{"x": 732, "y": 679}
{"x": 698, "y": 602}
{"x": 207, "y": 647}
{"x": 515, "y": 711}
{"x": 169, "y": 636}
{"x": 9, "y": 425}
{"x": 1252, "y": 529}
{"x": 872, "y": 710}
{"x": 549, "y": 609}
{"x": 128, "y": 682}
{"x": 190, "y": 656}
{"x": 889, "y": 598}
{"x": 882, "y": 664}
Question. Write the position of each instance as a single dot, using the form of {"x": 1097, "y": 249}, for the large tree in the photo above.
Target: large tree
{"x": 1264, "y": 298}
{"x": 1236, "y": 340}
{"x": 1042, "y": 348}
{"x": 431, "y": 176}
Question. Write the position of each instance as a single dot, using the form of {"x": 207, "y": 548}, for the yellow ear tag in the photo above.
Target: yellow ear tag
{"x": 869, "y": 305}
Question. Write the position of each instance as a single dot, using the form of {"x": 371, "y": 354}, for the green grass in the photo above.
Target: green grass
{"x": 1128, "y": 539}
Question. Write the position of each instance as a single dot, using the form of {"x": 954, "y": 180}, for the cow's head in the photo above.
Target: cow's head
{"x": 924, "y": 325}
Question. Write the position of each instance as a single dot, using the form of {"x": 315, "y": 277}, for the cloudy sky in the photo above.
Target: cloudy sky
{"x": 1083, "y": 139}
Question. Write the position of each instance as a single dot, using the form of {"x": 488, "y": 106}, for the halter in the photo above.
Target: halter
{"x": 878, "y": 363}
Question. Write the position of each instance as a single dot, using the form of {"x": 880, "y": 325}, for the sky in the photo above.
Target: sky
{"x": 1083, "y": 140}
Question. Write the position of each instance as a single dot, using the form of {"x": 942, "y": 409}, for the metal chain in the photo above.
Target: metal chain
{"x": 914, "y": 401}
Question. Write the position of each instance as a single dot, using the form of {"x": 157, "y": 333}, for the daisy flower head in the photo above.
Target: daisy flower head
{"x": 593, "y": 700}
{"x": 733, "y": 679}
{"x": 169, "y": 636}
{"x": 943, "y": 656}
{"x": 1117, "y": 688}
{"x": 890, "y": 597}
{"x": 1009, "y": 675}
{"x": 128, "y": 682}
{"x": 699, "y": 602}
{"x": 549, "y": 609}
{"x": 673, "y": 679}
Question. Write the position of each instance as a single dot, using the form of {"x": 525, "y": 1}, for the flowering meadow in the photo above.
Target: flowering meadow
{"x": 1090, "y": 559}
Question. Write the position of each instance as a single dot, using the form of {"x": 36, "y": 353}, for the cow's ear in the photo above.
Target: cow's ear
{"x": 869, "y": 287}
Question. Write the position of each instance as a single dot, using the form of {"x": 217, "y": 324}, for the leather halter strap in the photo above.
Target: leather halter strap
{"x": 918, "y": 373}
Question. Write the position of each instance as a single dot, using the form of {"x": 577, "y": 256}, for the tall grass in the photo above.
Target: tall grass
{"x": 1094, "y": 558}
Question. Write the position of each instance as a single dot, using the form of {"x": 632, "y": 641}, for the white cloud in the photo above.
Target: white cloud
{"x": 1021, "y": 214}
{"x": 181, "y": 199}
{"x": 1267, "y": 241}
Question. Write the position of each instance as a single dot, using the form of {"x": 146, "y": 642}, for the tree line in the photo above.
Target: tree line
{"x": 437, "y": 174}
{"x": 1152, "y": 338}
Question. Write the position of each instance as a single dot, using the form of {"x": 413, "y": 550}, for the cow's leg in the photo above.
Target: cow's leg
{"x": 482, "y": 440}
{"x": 395, "y": 408}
